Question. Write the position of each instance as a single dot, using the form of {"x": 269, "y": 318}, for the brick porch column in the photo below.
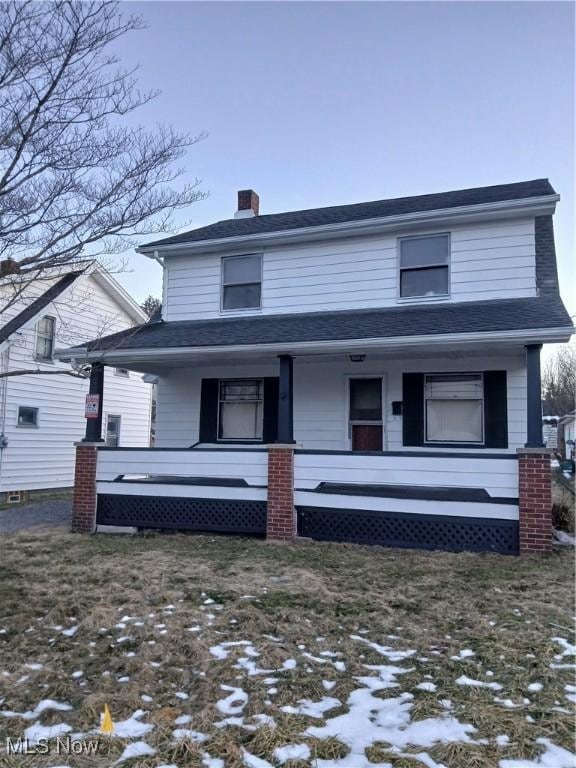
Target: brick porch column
{"x": 84, "y": 501}
{"x": 535, "y": 498}
{"x": 281, "y": 515}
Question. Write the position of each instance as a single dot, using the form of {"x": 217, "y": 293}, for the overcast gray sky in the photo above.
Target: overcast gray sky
{"x": 315, "y": 104}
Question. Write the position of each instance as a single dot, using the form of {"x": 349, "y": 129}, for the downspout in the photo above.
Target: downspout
{"x": 4, "y": 368}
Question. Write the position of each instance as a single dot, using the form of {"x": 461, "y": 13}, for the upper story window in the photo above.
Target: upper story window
{"x": 242, "y": 282}
{"x": 424, "y": 266}
{"x": 124, "y": 372}
{"x": 45, "y": 338}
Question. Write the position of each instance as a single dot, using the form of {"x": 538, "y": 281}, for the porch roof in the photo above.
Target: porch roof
{"x": 535, "y": 318}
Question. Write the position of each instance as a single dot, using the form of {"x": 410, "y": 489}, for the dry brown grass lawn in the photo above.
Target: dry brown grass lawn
{"x": 149, "y": 609}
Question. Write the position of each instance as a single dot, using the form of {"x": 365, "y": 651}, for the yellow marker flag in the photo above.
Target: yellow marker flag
{"x": 107, "y": 726}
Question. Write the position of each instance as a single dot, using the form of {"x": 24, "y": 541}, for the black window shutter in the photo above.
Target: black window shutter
{"x": 270, "y": 429}
{"x": 208, "y": 411}
{"x": 413, "y": 409}
{"x": 495, "y": 410}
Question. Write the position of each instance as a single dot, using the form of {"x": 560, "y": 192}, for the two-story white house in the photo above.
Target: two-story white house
{"x": 384, "y": 354}
{"x": 41, "y": 403}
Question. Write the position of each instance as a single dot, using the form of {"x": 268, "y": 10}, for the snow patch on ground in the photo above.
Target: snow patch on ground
{"x": 463, "y": 680}
{"x": 313, "y": 708}
{"x": 138, "y": 749}
{"x": 185, "y": 733}
{"x": 292, "y": 752}
{"x": 385, "y": 650}
{"x": 553, "y": 757}
{"x": 131, "y": 728}
{"x": 234, "y": 703}
{"x": 43, "y": 706}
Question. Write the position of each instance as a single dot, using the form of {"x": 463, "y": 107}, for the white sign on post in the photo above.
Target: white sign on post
{"x": 92, "y": 408}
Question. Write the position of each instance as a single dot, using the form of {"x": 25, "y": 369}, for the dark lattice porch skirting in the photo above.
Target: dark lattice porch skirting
{"x": 396, "y": 529}
{"x": 184, "y": 514}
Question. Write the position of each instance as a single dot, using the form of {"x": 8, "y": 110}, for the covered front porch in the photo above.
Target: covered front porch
{"x": 412, "y": 446}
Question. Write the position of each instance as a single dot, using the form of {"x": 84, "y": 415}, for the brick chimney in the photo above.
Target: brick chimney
{"x": 9, "y": 267}
{"x": 248, "y": 204}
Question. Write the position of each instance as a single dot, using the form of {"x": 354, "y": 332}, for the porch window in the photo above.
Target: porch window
{"x": 113, "y": 431}
{"x": 424, "y": 266}
{"x": 242, "y": 282}
{"x": 240, "y": 409}
{"x": 454, "y": 405}
{"x": 45, "y": 338}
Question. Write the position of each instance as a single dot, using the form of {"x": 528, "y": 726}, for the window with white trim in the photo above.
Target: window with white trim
{"x": 45, "y": 338}
{"x": 123, "y": 372}
{"x": 454, "y": 408}
{"x": 424, "y": 266}
{"x": 113, "y": 430}
{"x": 240, "y": 409}
{"x": 242, "y": 282}
{"x": 27, "y": 416}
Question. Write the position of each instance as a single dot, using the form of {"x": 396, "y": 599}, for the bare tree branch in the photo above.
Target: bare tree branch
{"x": 75, "y": 180}
{"x": 559, "y": 382}
{"x": 37, "y": 372}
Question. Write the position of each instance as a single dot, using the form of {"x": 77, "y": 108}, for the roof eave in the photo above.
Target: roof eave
{"x": 533, "y": 206}
{"x": 525, "y": 336}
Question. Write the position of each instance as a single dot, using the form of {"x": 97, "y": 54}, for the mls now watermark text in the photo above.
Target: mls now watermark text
{"x": 62, "y": 745}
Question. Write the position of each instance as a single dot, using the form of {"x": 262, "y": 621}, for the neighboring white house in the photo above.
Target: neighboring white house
{"x": 395, "y": 342}
{"x": 567, "y": 436}
{"x": 41, "y": 416}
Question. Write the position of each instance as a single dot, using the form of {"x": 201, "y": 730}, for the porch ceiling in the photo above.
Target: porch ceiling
{"x": 174, "y": 359}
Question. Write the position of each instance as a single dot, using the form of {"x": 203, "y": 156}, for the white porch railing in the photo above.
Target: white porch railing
{"x": 495, "y": 476}
{"x": 201, "y": 473}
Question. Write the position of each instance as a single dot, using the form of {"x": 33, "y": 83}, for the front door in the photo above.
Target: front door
{"x": 365, "y": 414}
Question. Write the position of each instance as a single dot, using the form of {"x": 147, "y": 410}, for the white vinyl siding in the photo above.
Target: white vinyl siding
{"x": 44, "y": 457}
{"x": 487, "y": 261}
{"x": 321, "y": 398}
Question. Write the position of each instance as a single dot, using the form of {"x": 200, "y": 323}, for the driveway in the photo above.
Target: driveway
{"x": 39, "y": 513}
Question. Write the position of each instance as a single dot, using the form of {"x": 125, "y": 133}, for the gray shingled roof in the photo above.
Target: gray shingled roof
{"x": 460, "y": 317}
{"x": 36, "y": 306}
{"x": 339, "y": 214}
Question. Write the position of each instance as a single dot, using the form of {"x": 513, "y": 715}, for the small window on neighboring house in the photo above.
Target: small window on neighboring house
{"x": 454, "y": 408}
{"x": 424, "y": 266}
{"x": 27, "y": 417}
{"x": 241, "y": 282}
{"x": 124, "y": 372}
{"x": 45, "y": 338}
{"x": 240, "y": 409}
{"x": 113, "y": 431}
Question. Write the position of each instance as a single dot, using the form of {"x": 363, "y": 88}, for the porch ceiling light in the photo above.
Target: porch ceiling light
{"x": 357, "y": 358}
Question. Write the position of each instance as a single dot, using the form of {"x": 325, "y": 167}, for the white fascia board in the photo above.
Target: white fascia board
{"x": 532, "y": 206}
{"x": 113, "y": 287}
{"x": 548, "y": 335}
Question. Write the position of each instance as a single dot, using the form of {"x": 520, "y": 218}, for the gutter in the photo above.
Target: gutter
{"x": 524, "y": 336}
{"x": 543, "y": 204}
